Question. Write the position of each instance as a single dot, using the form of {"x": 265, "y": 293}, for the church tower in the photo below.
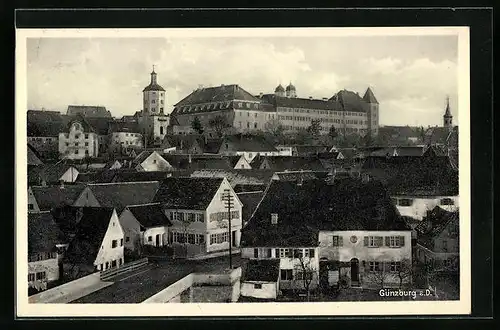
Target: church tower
{"x": 153, "y": 122}
{"x": 291, "y": 91}
{"x": 447, "y": 117}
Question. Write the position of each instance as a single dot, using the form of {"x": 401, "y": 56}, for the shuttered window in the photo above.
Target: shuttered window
{"x": 373, "y": 241}
{"x": 395, "y": 241}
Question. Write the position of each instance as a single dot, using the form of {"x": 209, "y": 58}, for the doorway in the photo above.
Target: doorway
{"x": 157, "y": 240}
{"x": 354, "y": 272}
{"x": 233, "y": 238}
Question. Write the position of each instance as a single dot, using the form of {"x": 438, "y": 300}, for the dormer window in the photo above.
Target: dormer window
{"x": 274, "y": 218}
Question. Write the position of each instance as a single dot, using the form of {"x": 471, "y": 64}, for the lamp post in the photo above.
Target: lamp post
{"x": 228, "y": 202}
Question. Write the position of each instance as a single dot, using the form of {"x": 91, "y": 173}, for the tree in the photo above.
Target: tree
{"x": 275, "y": 128}
{"x": 87, "y": 160}
{"x": 405, "y": 271}
{"x": 315, "y": 128}
{"x": 302, "y": 136}
{"x": 196, "y": 125}
{"x": 367, "y": 140}
{"x": 378, "y": 276}
{"x": 219, "y": 123}
{"x": 304, "y": 272}
{"x": 332, "y": 133}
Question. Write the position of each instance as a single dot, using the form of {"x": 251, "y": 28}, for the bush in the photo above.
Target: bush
{"x": 130, "y": 255}
{"x": 344, "y": 282}
{"x": 158, "y": 250}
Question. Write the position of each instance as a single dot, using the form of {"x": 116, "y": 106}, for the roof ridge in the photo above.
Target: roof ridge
{"x": 119, "y": 183}
{"x": 136, "y": 205}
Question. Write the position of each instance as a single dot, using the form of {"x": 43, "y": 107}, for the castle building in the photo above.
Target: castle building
{"x": 153, "y": 120}
{"x": 447, "y": 117}
{"x": 347, "y": 111}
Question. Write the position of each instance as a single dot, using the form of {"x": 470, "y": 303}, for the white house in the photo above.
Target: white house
{"x": 52, "y": 174}
{"x": 261, "y": 279}
{"x": 150, "y": 161}
{"x": 416, "y": 206}
{"x": 340, "y": 229}
{"x": 43, "y": 238}
{"x": 144, "y": 224}
{"x": 98, "y": 244}
{"x": 79, "y": 141}
{"x": 199, "y": 217}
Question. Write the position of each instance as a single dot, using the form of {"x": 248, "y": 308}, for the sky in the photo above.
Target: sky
{"x": 411, "y": 76}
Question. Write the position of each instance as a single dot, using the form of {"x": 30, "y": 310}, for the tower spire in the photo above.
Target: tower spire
{"x": 447, "y": 117}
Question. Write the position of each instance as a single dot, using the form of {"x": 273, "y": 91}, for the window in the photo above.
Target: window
{"x": 114, "y": 243}
{"x": 86, "y": 136}
{"x": 40, "y": 276}
{"x": 127, "y": 239}
{"x": 120, "y": 262}
{"x": 67, "y": 144}
{"x": 77, "y": 136}
{"x": 274, "y": 218}
{"x": 337, "y": 241}
{"x": 286, "y": 274}
{"x": 31, "y": 277}
{"x": 86, "y": 144}
{"x": 191, "y": 238}
{"x": 374, "y": 266}
{"x": 447, "y": 201}
{"x": 107, "y": 264}
{"x": 153, "y": 101}
{"x": 255, "y": 253}
{"x": 257, "y": 286}
{"x": 395, "y": 266}
{"x": 121, "y": 241}
{"x": 30, "y": 207}
{"x": 373, "y": 241}
{"x": 405, "y": 202}
{"x": 254, "y": 125}
{"x": 76, "y": 152}
{"x": 298, "y": 253}
{"x": 150, "y": 238}
{"x": 153, "y": 109}
{"x": 113, "y": 263}
{"x": 285, "y": 253}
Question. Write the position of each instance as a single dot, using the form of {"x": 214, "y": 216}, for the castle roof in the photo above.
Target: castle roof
{"x": 370, "y": 97}
{"x": 290, "y": 87}
{"x": 279, "y": 88}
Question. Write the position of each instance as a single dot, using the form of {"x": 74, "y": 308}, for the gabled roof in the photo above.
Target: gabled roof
{"x": 183, "y": 141}
{"x": 349, "y": 101}
{"x": 100, "y": 125}
{"x": 410, "y": 151}
{"x": 297, "y": 102}
{"x": 103, "y": 176}
{"x": 123, "y": 194}
{"x": 300, "y": 175}
{"x": 87, "y": 127}
{"x": 414, "y": 175}
{"x": 221, "y": 93}
{"x": 309, "y": 207}
{"x": 50, "y": 173}
{"x": 45, "y": 123}
{"x": 437, "y": 135}
{"x": 150, "y": 215}
{"x": 310, "y": 149}
{"x": 433, "y": 225}
{"x": 43, "y": 233}
{"x": 290, "y": 163}
{"x": 143, "y": 156}
{"x": 90, "y": 232}
{"x": 265, "y": 270}
{"x": 33, "y": 156}
{"x": 49, "y": 197}
{"x": 250, "y": 201}
{"x": 187, "y": 193}
{"x": 237, "y": 176}
{"x": 369, "y": 96}
{"x": 88, "y": 111}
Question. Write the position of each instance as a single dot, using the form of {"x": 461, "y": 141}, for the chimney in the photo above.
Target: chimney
{"x": 310, "y": 97}
{"x": 189, "y": 158}
{"x": 61, "y": 182}
{"x": 325, "y": 99}
{"x": 260, "y": 94}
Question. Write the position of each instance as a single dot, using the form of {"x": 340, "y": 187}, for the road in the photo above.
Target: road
{"x": 137, "y": 286}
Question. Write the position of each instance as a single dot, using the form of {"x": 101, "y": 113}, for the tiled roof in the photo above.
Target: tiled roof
{"x": 410, "y": 151}
{"x": 90, "y": 232}
{"x": 100, "y": 125}
{"x": 307, "y": 208}
{"x": 250, "y": 201}
{"x": 290, "y": 163}
{"x": 369, "y": 96}
{"x": 250, "y": 143}
{"x": 102, "y": 176}
{"x": 50, "y": 173}
{"x": 433, "y": 225}
{"x": 349, "y": 101}
{"x": 215, "y": 94}
{"x": 310, "y": 149}
{"x": 150, "y": 215}
{"x": 200, "y": 162}
{"x": 141, "y": 157}
{"x": 124, "y": 126}
{"x": 416, "y": 175}
{"x": 183, "y": 142}
{"x": 266, "y": 270}
{"x": 300, "y": 175}
{"x": 49, "y": 197}
{"x": 237, "y": 176}
{"x": 437, "y": 135}
{"x": 33, "y": 156}
{"x": 88, "y": 111}
{"x": 45, "y": 123}
{"x": 187, "y": 193}
{"x": 153, "y": 87}
{"x": 43, "y": 233}
{"x": 248, "y": 188}
{"x": 399, "y": 132}
{"x": 134, "y": 176}
{"x": 279, "y": 88}
{"x": 123, "y": 194}
{"x": 296, "y": 102}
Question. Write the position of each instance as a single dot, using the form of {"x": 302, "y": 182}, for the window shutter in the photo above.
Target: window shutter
{"x": 277, "y": 253}
{"x": 341, "y": 241}
{"x": 387, "y": 241}
{"x": 402, "y": 240}
{"x": 365, "y": 241}
{"x": 255, "y": 253}
{"x": 311, "y": 253}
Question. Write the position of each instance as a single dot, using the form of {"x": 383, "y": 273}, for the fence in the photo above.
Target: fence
{"x": 109, "y": 273}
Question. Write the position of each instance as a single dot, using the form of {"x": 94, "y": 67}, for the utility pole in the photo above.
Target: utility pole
{"x": 228, "y": 201}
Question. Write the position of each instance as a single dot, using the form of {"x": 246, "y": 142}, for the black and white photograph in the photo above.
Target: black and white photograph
{"x": 230, "y": 171}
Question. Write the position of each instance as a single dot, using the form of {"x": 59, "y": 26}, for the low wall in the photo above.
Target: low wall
{"x": 70, "y": 291}
{"x": 203, "y": 288}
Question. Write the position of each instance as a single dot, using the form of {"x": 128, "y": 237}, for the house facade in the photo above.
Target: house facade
{"x": 198, "y": 214}
{"x": 151, "y": 161}
{"x": 79, "y": 141}
{"x": 416, "y": 207}
{"x": 261, "y": 279}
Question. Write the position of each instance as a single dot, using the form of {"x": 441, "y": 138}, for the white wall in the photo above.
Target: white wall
{"x": 70, "y": 175}
{"x": 32, "y": 201}
{"x": 49, "y": 266}
{"x": 420, "y": 205}
{"x": 86, "y": 198}
{"x": 86, "y": 141}
{"x": 216, "y": 227}
{"x": 242, "y": 164}
{"x": 131, "y": 229}
{"x": 268, "y": 291}
{"x": 107, "y": 253}
{"x": 154, "y": 162}
{"x": 125, "y": 140}
{"x": 162, "y": 231}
